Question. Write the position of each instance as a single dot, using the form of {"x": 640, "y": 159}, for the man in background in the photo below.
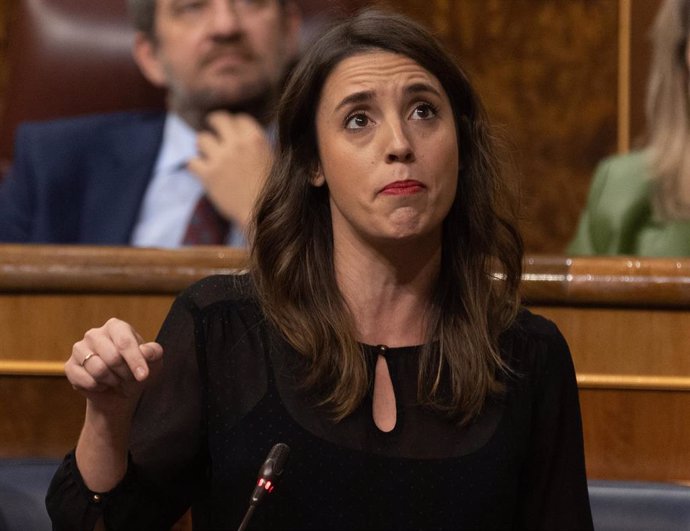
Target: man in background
{"x": 182, "y": 177}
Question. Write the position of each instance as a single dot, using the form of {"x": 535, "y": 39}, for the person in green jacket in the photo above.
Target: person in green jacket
{"x": 639, "y": 203}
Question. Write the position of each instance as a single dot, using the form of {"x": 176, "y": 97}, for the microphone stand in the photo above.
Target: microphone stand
{"x": 269, "y": 473}
{"x": 247, "y": 517}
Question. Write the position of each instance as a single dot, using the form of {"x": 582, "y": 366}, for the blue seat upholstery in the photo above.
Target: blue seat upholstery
{"x": 639, "y": 506}
{"x": 616, "y": 505}
{"x": 23, "y": 487}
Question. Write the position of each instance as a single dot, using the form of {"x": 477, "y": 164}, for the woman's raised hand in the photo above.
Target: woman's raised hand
{"x": 112, "y": 365}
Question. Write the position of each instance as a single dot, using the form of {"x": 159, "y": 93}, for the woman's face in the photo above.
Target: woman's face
{"x": 388, "y": 149}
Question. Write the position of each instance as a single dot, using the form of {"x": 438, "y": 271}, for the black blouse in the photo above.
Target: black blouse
{"x": 229, "y": 390}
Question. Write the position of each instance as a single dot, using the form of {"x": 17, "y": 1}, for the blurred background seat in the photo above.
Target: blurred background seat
{"x": 69, "y": 57}
{"x": 23, "y": 487}
{"x": 616, "y": 505}
{"x": 639, "y": 506}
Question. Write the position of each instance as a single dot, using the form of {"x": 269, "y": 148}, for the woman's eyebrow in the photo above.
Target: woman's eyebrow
{"x": 356, "y": 97}
{"x": 417, "y": 88}
{"x": 368, "y": 95}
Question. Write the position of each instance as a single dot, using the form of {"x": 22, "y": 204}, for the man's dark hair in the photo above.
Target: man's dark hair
{"x": 142, "y": 14}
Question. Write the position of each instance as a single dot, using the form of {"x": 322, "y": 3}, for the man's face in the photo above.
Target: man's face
{"x": 213, "y": 54}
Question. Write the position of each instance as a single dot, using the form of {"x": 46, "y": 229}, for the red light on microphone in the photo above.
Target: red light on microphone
{"x": 272, "y": 468}
{"x": 267, "y": 485}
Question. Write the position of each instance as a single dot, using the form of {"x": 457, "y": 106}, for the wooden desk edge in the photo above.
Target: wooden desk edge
{"x": 547, "y": 279}
{"x": 28, "y": 368}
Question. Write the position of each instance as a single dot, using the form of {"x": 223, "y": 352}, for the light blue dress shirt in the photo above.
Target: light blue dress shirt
{"x": 173, "y": 192}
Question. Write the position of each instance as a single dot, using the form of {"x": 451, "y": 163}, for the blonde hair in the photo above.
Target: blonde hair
{"x": 668, "y": 112}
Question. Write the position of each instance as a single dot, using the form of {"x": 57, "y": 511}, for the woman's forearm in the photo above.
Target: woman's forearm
{"x": 103, "y": 447}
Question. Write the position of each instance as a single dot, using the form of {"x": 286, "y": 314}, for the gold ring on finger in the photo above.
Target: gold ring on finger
{"x": 87, "y": 358}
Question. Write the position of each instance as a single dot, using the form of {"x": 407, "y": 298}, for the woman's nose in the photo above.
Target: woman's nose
{"x": 399, "y": 147}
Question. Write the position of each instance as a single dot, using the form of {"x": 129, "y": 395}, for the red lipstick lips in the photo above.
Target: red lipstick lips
{"x": 407, "y": 187}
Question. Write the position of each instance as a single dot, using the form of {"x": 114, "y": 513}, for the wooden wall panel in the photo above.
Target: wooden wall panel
{"x": 627, "y": 323}
{"x": 634, "y": 435}
{"x": 642, "y": 13}
{"x": 40, "y": 413}
{"x": 53, "y": 294}
{"x": 49, "y": 296}
{"x": 6, "y": 7}
{"x": 547, "y": 72}
{"x": 41, "y": 416}
{"x": 24, "y": 316}
{"x": 647, "y": 340}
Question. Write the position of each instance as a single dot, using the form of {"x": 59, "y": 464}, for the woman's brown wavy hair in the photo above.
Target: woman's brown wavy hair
{"x": 476, "y": 293}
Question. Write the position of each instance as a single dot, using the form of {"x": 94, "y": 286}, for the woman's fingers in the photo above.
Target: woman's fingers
{"x": 111, "y": 356}
{"x": 121, "y": 350}
{"x": 152, "y": 351}
{"x": 117, "y": 344}
{"x": 95, "y": 366}
{"x": 77, "y": 370}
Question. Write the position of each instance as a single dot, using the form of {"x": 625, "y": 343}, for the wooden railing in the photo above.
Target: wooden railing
{"x": 50, "y": 295}
{"x": 627, "y": 321}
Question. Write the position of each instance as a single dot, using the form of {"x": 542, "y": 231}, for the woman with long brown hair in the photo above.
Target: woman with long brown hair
{"x": 378, "y": 333}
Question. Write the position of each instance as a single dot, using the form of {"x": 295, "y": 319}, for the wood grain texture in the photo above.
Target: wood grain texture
{"x": 101, "y": 269}
{"x": 627, "y": 322}
{"x": 62, "y": 320}
{"x": 65, "y": 290}
{"x": 6, "y": 10}
{"x": 547, "y": 72}
{"x": 642, "y": 16}
{"x": 607, "y": 281}
{"x": 625, "y": 341}
{"x": 39, "y": 416}
{"x": 637, "y": 435}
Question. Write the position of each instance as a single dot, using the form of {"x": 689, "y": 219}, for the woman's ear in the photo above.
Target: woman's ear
{"x": 317, "y": 178}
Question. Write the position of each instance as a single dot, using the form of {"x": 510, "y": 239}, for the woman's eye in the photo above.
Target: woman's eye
{"x": 357, "y": 121}
{"x": 423, "y": 111}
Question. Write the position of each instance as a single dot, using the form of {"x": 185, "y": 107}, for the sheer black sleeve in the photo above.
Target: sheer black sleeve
{"x": 166, "y": 455}
{"x": 554, "y": 483}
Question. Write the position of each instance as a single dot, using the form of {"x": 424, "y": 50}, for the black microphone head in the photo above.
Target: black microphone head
{"x": 273, "y": 466}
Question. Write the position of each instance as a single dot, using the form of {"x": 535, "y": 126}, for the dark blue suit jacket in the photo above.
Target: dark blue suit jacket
{"x": 79, "y": 180}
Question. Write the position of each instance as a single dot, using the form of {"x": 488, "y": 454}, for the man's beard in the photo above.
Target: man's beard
{"x": 194, "y": 107}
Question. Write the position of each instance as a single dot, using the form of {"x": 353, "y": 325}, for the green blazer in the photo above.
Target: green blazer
{"x": 618, "y": 216}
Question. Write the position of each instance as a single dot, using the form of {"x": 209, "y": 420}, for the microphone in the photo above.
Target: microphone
{"x": 269, "y": 473}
